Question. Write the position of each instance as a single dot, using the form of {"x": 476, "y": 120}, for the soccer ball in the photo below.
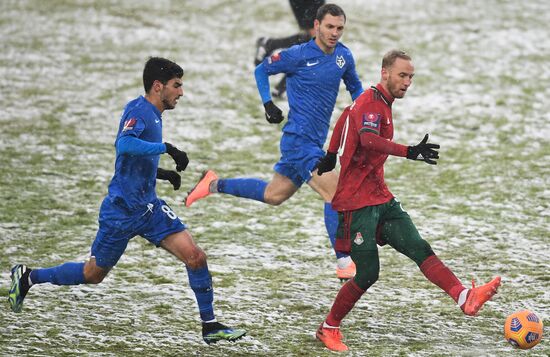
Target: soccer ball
{"x": 523, "y": 329}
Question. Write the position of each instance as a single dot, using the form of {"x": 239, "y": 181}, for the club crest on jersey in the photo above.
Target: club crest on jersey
{"x": 358, "y": 238}
{"x": 340, "y": 61}
{"x": 371, "y": 120}
{"x": 129, "y": 124}
{"x": 276, "y": 57}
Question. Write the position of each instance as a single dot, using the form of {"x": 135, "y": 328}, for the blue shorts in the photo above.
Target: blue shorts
{"x": 117, "y": 225}
{"x": 298, "y": 158}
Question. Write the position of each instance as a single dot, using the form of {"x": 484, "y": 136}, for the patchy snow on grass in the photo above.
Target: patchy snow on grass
{"x": 480, "y": 89}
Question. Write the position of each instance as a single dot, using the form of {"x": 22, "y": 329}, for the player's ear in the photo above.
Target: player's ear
{"x": 385, "y": 74}
{"x": 157, "y": 86}
{"x": 316, "y": 25}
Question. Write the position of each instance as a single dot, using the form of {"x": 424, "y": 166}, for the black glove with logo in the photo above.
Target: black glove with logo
{"x": 424, "y": 149}
{"x": 326, "y": 164}
{"x": 171, "y": 176}
{"x": 273, "y": 114}
{"x": 180, "y": 157}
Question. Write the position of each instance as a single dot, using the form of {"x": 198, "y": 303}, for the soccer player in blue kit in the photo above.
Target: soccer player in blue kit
{"x": 132, "y": 207}
{"x": 314, "y": 70}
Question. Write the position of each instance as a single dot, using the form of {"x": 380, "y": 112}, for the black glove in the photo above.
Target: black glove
{"x": 326, "y": 164}
{"x": 425, "y": 149}
{"x": 273, "y": 114}
{"x": 180, "y": 157}
{"x": 171, "y": 176}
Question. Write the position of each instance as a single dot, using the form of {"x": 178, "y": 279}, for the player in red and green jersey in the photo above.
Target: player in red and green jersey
{"x": 368, "y": 212}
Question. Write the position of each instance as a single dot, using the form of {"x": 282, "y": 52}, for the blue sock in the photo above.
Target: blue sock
{"x": 64, "y": 274}
{"x": 331, "y": 223}
{"x": 252, "y": 188}
{"x": 201, "y": 283}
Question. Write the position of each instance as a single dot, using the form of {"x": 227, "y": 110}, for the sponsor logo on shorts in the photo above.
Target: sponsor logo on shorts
{"x": 358, "y": 238}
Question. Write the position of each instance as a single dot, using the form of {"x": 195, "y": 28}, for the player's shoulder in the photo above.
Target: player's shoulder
{"x": 369, "y": 98}
{"x": 302, "y": 50}
{"x": 343, "y": 49}
{"x": 138, "y": 108}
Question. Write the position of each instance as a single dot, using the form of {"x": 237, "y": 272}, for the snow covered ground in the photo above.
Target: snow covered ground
{"x": 481, "y": 90}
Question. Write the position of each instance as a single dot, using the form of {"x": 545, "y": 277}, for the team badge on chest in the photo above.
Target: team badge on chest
{"x": 340, "y": 61}
{"x": 358, "y": 239}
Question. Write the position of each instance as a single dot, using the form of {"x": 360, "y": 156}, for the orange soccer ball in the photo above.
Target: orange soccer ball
{"x": 523, "y": 329}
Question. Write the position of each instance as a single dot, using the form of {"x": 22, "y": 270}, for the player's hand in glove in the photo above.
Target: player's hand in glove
{"x": 171, "y": 176}
{"x": 326, "y": 164}
{"x": 424, "y": 149}
{"x": 180, "y": 157}
{"x": 273, "y": 114}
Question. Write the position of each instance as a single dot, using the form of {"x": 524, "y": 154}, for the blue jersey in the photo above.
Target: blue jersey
{"x": 313, "y": 82}
{"x": 134, "y": 181}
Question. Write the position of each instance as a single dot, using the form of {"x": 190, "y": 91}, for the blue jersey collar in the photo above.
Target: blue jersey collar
{"x": 313, "y": 45}
{"x": 155, "y": 109}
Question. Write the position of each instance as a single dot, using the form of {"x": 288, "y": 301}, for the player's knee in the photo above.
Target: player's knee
{"x": 365, "y": 278}
{"x": 421, "y": 252}
{"x": 274, "y": 200}
{"x": 197, "y": 259}
{"x": 94, "y": 274}
{"x": 94, "y": 277}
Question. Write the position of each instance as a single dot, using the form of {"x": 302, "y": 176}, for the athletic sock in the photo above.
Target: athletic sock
{"x": 201, "y": 284}
{"x": 331, "y": 224}
{"x": 325, "y": 325}
{"x": 252, "y": 188}
{"x": 64, "y": 274}
{"x": 440, "y": 275}
{"x": 462, "y": 297}
{"x": 344, "y": 302}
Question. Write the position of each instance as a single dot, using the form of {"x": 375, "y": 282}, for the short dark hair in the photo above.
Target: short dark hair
{"x": 159, "y": 69}
{"x": 332, "y": 9}
{"x": 391, "y": 56}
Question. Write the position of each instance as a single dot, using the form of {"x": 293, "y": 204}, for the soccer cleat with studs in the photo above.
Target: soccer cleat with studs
{"x": 213, "y": 332}
{"x": 477, "y": 296}
{"x": 344, "y": 274}
{"x": 331, "y": 338}
{"x": 19, "y": 286}
{"x": 202, "y": 188}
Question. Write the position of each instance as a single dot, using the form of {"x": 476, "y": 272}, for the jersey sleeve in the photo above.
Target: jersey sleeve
{"x": 337, "y": 133}
{"x": 285, "y": 61}
{"x": 133, "y": 126}
{"x": 131, "y": 145}
{"x": 368, "y": 119}
{"x": 351, "y": 79}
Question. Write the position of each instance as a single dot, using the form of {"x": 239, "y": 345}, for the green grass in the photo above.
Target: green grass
{"x": 480, "y": 90}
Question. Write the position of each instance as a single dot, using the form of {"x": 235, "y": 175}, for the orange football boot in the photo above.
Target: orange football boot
{"x": 202, "y": 188}
{"x": 332, "y": 338}
{"x": 346, "y": 273}
{"x": 479, "y": 295}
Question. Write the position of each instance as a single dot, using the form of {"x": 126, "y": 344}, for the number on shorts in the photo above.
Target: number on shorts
{"x": 168, "y": 212}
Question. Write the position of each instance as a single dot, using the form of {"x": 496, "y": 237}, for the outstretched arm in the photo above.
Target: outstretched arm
{"x": 372, "y": 141}
{"x": 375, "y": 142}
